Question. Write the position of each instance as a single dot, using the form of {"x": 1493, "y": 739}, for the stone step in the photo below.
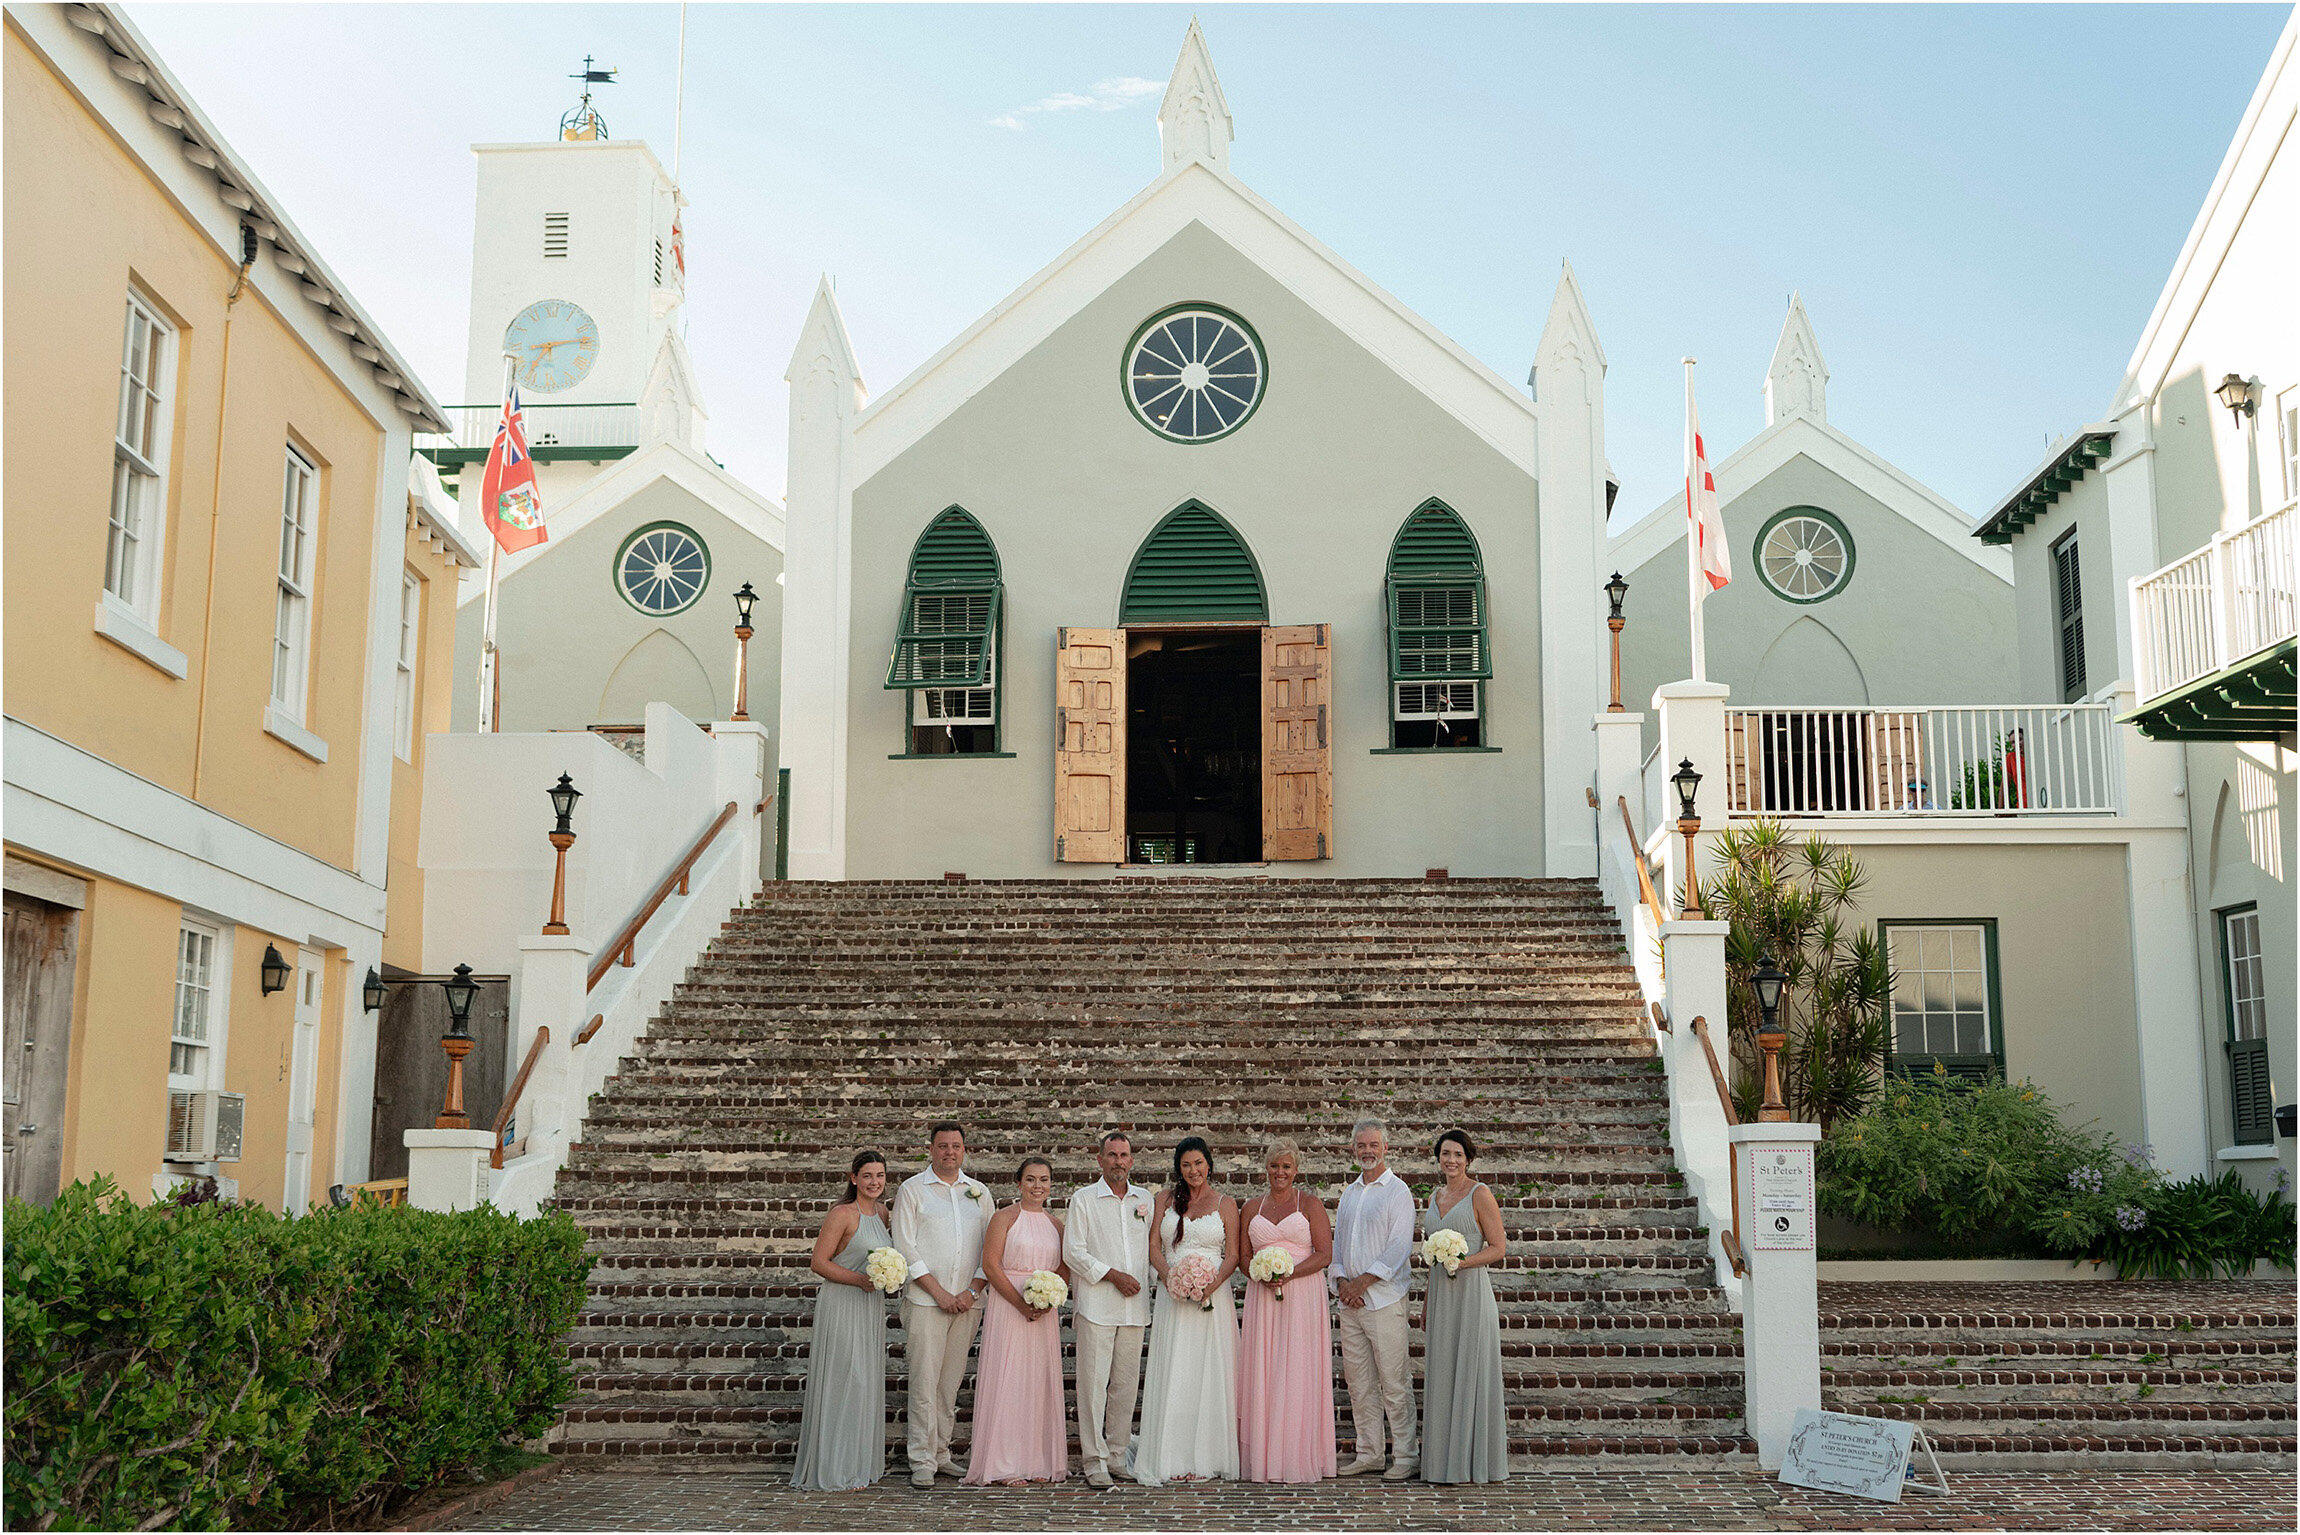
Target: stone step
{"x": 779, "y": 1449}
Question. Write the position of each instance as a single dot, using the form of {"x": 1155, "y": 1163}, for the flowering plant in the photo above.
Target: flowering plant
{"x": 1193, "y": 1279}
{"x": 887, "y": 1269}
{"x": 1273, "y": 1265}
{"x": 1446, "y": 1247}
{"x": 1045, "y": 1290}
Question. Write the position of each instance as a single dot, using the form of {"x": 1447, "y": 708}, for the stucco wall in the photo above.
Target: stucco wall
{"x": 2244, "y": 832}
{"x": 1917, "y": 623}
{"x": 2064, "y": 956}
{"x": 1068, "y": 483}
{"x": 84, "y": 223}
{"x": 434, "y": 689}
{"x": 564, "y": 628}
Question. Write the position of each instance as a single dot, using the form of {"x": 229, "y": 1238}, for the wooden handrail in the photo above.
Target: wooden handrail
{"x": 590, "y": 1028}
{"x": 626, "y": 940}
{"x": 1637, "y": 856}
{"x": 1660, "y": 1018}
{"x": 511, "y": 1098}
{"x": 1730, "y": 1240}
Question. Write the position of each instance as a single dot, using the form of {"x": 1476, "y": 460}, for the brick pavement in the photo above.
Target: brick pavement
{"x": 1659, "y": 1496}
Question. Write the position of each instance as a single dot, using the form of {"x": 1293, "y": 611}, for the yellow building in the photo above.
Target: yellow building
{"x": 229, "y": 622}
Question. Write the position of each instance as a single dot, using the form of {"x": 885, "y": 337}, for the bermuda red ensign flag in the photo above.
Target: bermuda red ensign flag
{"x": 507, "y": 494}
{"x": 1706, "y": 527}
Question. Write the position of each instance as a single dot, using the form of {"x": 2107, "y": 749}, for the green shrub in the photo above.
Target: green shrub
{"x": 204, "y": 1365}
{"x": 2200, "y": 1227}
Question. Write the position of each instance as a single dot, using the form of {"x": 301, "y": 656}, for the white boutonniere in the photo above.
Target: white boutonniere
{"x": 974, "y": 1192}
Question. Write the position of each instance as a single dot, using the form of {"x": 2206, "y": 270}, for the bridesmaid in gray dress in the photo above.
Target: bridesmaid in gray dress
{"x": 842, "y": 1430}
{"x": 1465, "y": 1423}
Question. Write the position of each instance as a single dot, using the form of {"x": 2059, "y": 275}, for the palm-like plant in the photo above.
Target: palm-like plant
{"x": 1794, "y": 899}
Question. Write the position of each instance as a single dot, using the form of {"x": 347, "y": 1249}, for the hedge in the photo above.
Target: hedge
{"x": 209, "y": 1365}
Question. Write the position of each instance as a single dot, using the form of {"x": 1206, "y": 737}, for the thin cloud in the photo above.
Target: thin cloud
{"x": 1113, "y": 95}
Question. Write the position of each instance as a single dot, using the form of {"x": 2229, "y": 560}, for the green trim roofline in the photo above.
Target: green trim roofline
{"x": 2250, "y": 701}
{"x": 2024, "y": 506}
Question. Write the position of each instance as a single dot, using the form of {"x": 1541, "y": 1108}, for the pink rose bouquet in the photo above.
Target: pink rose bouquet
{"x": 1193, "y": 1279}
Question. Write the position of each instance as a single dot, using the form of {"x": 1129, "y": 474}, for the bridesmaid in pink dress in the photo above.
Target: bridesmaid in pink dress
{"x": 1285, "y": 1352}
{"x": 1021, "y": 1431}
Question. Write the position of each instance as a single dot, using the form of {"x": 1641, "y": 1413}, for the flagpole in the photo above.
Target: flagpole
{"x": 1692, "y": 542}
{"x": 490, "y": 680}
{"x": 679, "y": 106}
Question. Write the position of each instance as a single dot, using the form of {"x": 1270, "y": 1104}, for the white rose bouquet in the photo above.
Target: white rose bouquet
{"x": 887, "y": 1269}
{"x": 1447, "y": 1248}
{"x": 1045, "y": 1290}
{"x": 1273, "y": 1265}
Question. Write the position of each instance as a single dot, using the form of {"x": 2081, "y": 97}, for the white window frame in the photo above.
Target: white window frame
{"x": 213, "y": 997}
{"x": 143, "y": 429}
{"x": 291, "y": 619}
{"x": 2245, "y": 966}
{"x": 410, "y": 653}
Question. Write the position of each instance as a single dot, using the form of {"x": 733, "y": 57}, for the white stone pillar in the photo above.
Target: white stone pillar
{"x": 741, "y": 746}
{"x": 447, "y": 1169}
{"x": 1693, "y": 955}
{"x": 1620, "y": 738}
{"x": 1780, "y": 1297}
{"x": 553, "y": 991}
{"x": 1692, "y": 730}
{"x": 1569, "y": 408}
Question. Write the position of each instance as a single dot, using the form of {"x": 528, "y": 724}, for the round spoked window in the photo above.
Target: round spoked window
{"x": 1805, "y": 554}
{"x": 662, "y": 569}
{"x": 1195, "y": 374}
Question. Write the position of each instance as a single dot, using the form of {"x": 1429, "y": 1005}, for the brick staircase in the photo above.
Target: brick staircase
{"x": 2184, "y": 1372}
{"x": 828, "y": 1017}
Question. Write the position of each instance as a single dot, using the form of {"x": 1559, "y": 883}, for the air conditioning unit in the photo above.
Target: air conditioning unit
{"x": 205, "y": 1127}
{"x": 1434, "y": 701}
{"x": 959, "y": 706}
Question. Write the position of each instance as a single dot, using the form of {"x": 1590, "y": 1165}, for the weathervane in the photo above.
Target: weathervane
{"x": 585, "y": 122}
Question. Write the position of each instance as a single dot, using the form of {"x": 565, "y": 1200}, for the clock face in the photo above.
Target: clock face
{"x": 553, "y": 344}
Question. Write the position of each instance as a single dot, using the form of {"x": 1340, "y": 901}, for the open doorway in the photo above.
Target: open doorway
{"x": 1194, "y": 746}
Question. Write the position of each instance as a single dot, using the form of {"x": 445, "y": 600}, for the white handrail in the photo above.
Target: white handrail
{"x": 2216, "y": 606}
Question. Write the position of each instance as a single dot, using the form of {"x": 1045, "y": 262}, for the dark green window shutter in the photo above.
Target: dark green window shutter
{"x": 1437, "y": 600}
{"x": 2251, "y": 1095}
{"x": 949, "y": 608}
{"x": 2068, "y": 597}
{"x": 1193, "y": 566}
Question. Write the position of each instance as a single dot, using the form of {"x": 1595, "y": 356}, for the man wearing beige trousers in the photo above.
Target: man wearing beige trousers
{"x": 939, "y": 1219}
{"x": 1106, "y": 1242}
{"x": 1373, "y": 1254}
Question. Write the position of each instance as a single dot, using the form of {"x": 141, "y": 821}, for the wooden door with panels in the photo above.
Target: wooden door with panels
{"x": 1090, "y": 746}
{"x": 1297, "y": 749}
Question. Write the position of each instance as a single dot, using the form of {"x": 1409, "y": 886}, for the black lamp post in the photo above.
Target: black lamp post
{"x": 563, "y": 795}
{"x": 1687, "y": 783}
{"x": 1615, "y": 590}
{"x": 2235, "y": 392}
{"x": 371, "y": 992}
{"x": 1767, "y": 982}
{"x": 458, "y": 1043}
{"x": 744, "y": 601}
{"x": 275, "y": 970}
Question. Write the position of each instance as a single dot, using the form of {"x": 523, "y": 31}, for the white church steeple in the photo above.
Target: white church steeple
{"x": 1194, "y": 121}
{"x": 1797, "y": 384}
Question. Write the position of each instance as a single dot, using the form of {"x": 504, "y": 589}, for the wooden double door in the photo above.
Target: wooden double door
{"x": 1292, "y": 749}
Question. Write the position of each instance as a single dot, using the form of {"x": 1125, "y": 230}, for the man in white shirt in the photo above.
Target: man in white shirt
{"x": 1373, "y": 1248}
{"x": 1107, "y": 1245}
{"x": 939, "y": 1218}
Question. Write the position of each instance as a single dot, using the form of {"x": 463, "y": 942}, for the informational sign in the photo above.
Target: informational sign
{"x": 1837, "y": 1452}
{"x": 1782, "y": 1178}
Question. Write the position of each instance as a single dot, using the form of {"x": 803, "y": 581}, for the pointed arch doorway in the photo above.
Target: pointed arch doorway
{"x": 1195, "y": 731}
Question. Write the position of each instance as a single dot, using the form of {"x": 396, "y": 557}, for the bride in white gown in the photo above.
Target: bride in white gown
{"x": 1190, "y": 1404}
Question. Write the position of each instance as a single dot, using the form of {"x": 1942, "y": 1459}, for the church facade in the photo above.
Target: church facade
{"x": 1200, "y": 549}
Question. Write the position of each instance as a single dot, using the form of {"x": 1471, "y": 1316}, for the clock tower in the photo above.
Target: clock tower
{"x": 576, "y": 266}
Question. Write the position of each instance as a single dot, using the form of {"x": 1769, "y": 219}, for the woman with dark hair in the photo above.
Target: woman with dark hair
{"x": 1021, "y": 1433}
{"x": 842, "y": 1425}
{"x": 1465, "y": 1423}
{"x": 1190, "y": 1404}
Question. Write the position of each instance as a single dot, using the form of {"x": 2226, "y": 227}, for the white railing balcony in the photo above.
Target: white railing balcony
{"x": 611, "y": 425}
{"x": 1970, "y": 759}
{"x": 2229, "y": 601}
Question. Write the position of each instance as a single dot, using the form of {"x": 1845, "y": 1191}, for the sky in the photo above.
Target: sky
{"x": 1979, "y": 204}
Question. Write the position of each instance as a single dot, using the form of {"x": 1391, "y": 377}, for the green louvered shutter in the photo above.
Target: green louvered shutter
{"x": 1437, "y": 601}
{"x": 2251, "y": 1093}
{"x": 945, "y": 637}
{"x": 1194, "y": 567}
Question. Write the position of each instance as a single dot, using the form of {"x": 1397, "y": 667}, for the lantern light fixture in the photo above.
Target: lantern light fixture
{"x": 275, "y": 970}
{"x": 371, "y": 993}
{"x": 2235, "y": 392}
{"x": 460, "y": 989}
{"x": 563, "y": 795}
{"x": 1688, "y": 782}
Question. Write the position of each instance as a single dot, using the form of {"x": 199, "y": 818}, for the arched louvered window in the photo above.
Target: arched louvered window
{"x": 1194, "y": 568}
{"x": 946, "y": 648}
{"x": 1439, "y": 658}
